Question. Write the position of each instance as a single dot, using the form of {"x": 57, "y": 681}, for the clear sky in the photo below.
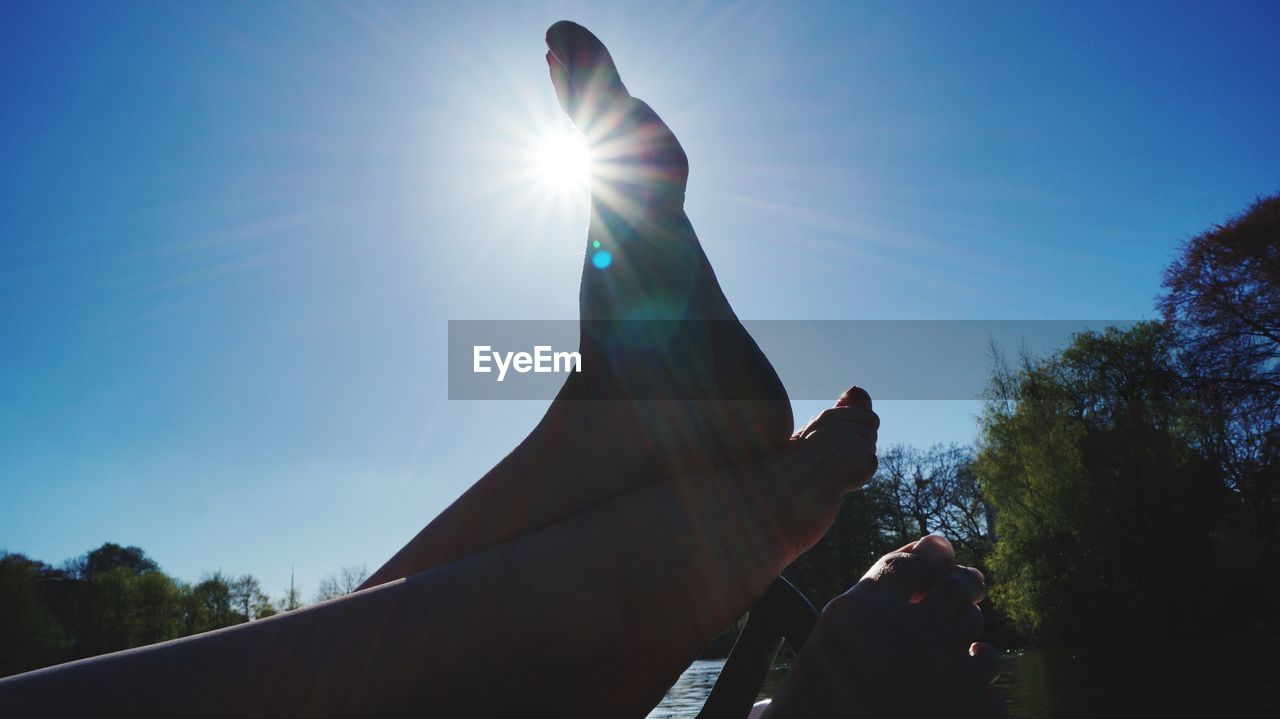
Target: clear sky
{"x": 231, "y": 235}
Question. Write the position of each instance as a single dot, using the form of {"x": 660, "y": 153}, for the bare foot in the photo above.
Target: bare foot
{"x": 899, "y": 644}
{"x": 835, "y": 453}
{"x": 655, "y": 323}
{"x": 671, "y": 383}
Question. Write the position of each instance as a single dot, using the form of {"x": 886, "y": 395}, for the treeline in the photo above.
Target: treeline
{"x": 1126, "y": 488}
{"x": 115, "y": 597}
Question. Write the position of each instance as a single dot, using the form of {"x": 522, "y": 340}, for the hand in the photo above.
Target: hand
{"x": 898, "y": 644}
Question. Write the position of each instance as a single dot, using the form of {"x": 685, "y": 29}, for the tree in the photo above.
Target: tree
{"x": 934, "y": 490}
{"x": 266, "y": 608}
{"x": 113, "y": 556}
{"x": 1086, "y": 459}
{"x": 121, "y": 600}
{"x": 208, "y": 606}
{"x": 249, "y": 599}
{"x": 30, "y": 635}
{"x": 1223, "y": 296}
{"x": 345, "y": 581}
{"x": 158, "y": 601}
{"x": 108, "y": 599}
{"x": 1225, "y": 291}
{"x": 108, "y": 617}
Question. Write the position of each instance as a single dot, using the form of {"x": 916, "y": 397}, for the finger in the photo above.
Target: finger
{"x": 904, "y": 574}
{"x": 984, "y": 663}
{"x": 916, "y": 546}
{"x": 935, "y": 548}
{"x": 961, "y": 587}
{"x": 965, "y": 626}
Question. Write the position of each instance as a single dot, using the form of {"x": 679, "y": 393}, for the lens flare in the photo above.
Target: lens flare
{"x": 561, "y": 161}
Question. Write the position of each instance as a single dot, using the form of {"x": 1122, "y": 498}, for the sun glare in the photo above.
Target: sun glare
{"x": 561, "y": 162}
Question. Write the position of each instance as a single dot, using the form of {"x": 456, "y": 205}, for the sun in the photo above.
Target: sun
{"x": 561, "y": 161}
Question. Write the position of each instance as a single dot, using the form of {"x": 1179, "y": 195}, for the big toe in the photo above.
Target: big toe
{"x": 590, "y": 79}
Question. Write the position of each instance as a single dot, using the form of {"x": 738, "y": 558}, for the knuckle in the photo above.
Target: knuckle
{"x": 897, "y": 562}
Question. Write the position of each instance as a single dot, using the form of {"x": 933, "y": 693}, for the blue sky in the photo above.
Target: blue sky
{"x": 231, "y": 236}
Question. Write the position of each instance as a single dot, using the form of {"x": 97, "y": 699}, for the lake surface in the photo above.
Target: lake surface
{"x": 1228, "y": 680}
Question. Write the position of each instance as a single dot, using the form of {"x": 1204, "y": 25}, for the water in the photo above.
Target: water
{"x": 1176, "y": 679}
{"x": 690, "y": 691}
{"x": 1212, "y": 680}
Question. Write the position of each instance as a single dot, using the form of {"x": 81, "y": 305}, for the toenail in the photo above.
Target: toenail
{"x": 853, "y": 394}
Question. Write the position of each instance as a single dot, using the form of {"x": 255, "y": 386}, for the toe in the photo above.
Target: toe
{"x": 858, "y": 412}
{"x": 859, "y": 415}
{"x": 852, "y": 464}
{"x": 854, "y": 396}
{"x": 592, "y": 79}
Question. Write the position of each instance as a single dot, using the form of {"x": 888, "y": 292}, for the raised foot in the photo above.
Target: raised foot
{"x": 658, "y": 332}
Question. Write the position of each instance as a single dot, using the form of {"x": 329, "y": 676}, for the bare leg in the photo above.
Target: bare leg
{"x": 671, "y": 383}
{"x": 571, "y": 620}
